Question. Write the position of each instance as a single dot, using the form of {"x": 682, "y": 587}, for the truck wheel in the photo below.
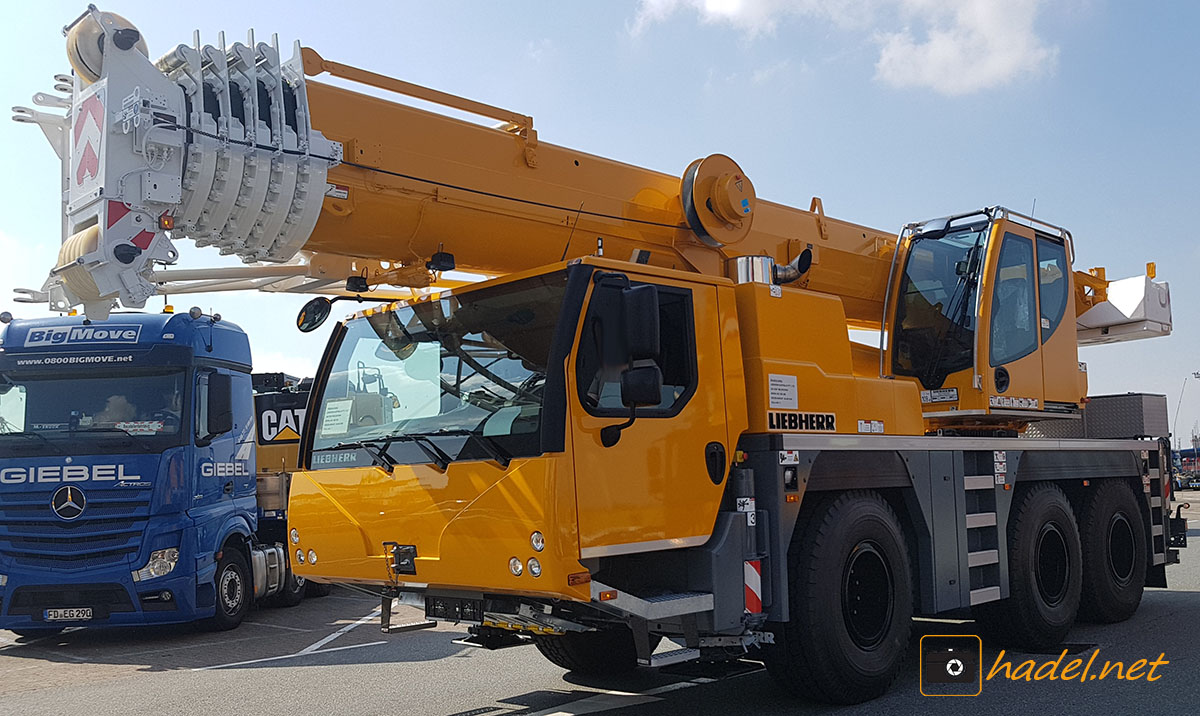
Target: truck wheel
{"x": 292, "y": 592}
{"x": 317, "y": 589}
{"x": 590, "y": 652}
{"x": 1114, "y": 553}
{"x": 850, "y": 601}
{"x": 1045, "y": 573}
{"x": 234, "y": 590}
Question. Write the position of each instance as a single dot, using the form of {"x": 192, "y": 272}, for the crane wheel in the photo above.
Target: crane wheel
{"x": 1045, "y": 573}
{"x": 1113, "y": 537}
{"x": 850, "y": 600}
{"x": 610, "y": 651}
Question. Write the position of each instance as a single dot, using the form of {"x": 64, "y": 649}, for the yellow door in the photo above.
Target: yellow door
{"x": 1056, "y": 319}
{"x": 1011, "y": 353}
{"x": 653, "y": 489}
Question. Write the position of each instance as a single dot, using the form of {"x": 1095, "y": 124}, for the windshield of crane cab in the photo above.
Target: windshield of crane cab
{"x": 457, "y": 371}
{"x": 934, "y": 331}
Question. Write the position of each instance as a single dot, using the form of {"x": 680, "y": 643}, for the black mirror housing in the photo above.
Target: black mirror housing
{"x": 934, "y": 229}
{"x": 220, "y": 404}
{"x": 641, "y": 386}
{"x": 639, "y": 306}
{"x": 313, "y": 314}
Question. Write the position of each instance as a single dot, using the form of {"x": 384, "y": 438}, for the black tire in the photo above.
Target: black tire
{"x": 850, "y": 601}
{"x": 1113, "y": 538}
{"x": 293, "y": 591}
{"x": 591, "y": 652}
{"x": 1045, "y": 573}
{"x": 317, "y": 589}
{"x": 234, "y": 590}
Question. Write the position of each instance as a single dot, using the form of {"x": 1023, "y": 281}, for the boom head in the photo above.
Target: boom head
{"x": 208, "y": 143}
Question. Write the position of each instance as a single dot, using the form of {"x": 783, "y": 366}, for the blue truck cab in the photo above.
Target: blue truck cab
{"x": 128, "y": 475}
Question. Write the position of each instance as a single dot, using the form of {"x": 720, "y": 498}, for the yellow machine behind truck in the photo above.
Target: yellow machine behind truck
{"x": 652, "y": 421}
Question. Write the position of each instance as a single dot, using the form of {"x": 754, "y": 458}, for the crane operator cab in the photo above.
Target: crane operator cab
{"x": 983, "y": 323}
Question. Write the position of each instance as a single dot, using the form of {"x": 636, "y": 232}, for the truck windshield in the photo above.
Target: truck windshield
{"x": 127, "y": 411}
{"x": 934, "y": 331}
{"x": 455, "y": 378}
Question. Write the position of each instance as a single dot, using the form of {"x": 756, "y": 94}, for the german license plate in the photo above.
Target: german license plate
{"x": 69, "y": 615}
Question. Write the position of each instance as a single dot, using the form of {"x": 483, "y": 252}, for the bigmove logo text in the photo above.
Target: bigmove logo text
{"x": 82, "y": 335}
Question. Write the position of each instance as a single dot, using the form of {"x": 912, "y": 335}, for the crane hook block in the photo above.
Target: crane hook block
{"x": 718, "y": 200}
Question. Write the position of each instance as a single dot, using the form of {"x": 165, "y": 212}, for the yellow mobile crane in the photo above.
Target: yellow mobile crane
{"x": 651, "y": 422}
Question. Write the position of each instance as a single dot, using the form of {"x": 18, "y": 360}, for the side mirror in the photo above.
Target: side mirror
{"x": 639, "y": 306}
{"x": 313, "y": 314}
{"x": 641, "y": 386}
{"x": 220, "y": 405}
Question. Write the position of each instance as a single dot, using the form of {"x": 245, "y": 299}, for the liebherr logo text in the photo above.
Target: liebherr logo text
{"x": 76, "y": 335}
{"x": 64, "y": 473}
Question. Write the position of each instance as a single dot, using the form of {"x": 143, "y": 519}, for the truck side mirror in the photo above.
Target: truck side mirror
{"x": 220, "y": 405}
{"x": 313, "y": 314}
{"x": 641, "y": 386}
{"x": 639, "y": 308}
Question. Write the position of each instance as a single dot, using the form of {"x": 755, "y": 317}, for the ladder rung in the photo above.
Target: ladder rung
{"x": 979, "y": 482}
{"x": 984, "y": 594}
{"x": 982, "y": 557}
{"x": 981, "y": 519}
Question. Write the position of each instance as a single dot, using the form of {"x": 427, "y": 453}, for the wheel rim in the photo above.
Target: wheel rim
{"x": 1122, "y": 549}
{"x": 1053, "y": 564}
{"x": 231, "y": 590}
{"x": 867, "y": 595}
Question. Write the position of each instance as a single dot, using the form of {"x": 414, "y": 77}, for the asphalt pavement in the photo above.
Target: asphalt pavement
{"x": 327, "y": 656}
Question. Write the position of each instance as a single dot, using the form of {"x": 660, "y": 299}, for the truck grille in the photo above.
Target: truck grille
{"x": 108, "y": 532}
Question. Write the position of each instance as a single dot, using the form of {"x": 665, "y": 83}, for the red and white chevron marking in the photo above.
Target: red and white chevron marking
{"x": 87, "y": 129}
{"x": 753, "y": 578}
{"x": 124, "y": 225}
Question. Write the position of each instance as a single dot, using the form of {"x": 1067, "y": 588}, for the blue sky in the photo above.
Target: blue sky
{"x": 890, "y": 110}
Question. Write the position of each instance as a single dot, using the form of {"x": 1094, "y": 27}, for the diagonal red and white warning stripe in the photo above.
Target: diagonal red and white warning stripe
{"x": 753, "y": 577}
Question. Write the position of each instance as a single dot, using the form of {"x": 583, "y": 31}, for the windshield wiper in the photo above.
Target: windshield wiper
{"x": 119, "y": 431}
{"x": 430, "y": 448}
{"x": 379, "y": 454}
{"x": 39, "y": 436}
{"x": 487, "y": 442}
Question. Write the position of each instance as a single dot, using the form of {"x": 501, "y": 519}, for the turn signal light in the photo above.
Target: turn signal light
{"x": 608, "y": 595}
{"x": 574, "y": 580}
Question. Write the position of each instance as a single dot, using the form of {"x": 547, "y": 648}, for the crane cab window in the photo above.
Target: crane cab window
{"x": 1014, "y": 311}
{"x": 600, "y": 363}
{"x": 1052, "y": 284}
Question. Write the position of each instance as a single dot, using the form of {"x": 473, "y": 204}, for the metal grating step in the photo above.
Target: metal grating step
{"x": 666, "y": 658}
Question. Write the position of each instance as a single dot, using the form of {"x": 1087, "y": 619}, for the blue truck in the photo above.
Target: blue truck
{"x": 129, "y": 486}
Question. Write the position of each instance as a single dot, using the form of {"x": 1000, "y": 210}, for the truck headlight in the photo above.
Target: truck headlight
{"x": 162, "y": 562}
{"x": 3, "y": 579}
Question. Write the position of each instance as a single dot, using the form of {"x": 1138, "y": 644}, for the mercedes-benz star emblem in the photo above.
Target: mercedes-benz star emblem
{"x": 68, "y": 502}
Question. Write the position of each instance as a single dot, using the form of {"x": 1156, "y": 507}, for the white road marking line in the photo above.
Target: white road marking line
{"x": 602, "y": 701}
{"x": 308, "y": 650}
{"x": 340, "y": 632}
{"x": 288, "y": 656}
{"x": 276, "y": 626}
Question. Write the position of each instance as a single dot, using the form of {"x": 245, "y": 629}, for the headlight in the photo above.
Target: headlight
{"x": 312, "y": 557}
{"x": 3, "y": 579}
{"x": 535, "y": 567}
{"x": 538, "y": 541}
{"x": 515, "y": 566}
{"x": 162, "y": 562}
{"x": 295, "y": 535}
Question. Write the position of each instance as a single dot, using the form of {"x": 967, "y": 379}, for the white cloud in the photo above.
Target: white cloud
{"x": 950, "y": 46}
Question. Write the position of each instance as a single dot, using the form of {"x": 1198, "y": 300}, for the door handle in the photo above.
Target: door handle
{"x": 229, "y": 488}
